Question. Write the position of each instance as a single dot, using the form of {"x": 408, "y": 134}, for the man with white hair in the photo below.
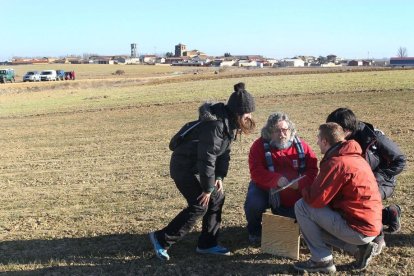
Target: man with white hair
{"x": 275, "y": 159}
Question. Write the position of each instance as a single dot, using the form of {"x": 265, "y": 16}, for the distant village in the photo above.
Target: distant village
{"x": 184, "y": 57}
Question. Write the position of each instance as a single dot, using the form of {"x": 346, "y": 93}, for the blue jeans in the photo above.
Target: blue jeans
{"x": 257, "y": 201}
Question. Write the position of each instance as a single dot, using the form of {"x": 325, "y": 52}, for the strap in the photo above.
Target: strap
{"x": 189, "y": 129}
{"x": 299, "y": 149}
{"x": 301, "y": 154}
{"x": 268, "y": 157}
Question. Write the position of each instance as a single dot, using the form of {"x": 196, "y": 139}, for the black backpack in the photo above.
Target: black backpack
{"x": 178, "y": 138}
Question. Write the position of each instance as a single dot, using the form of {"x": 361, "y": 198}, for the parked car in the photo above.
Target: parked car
{"x": 48, "y": 75}
{"x": 7, "y": 75}
{"x": 31, "y": 76}
{"x": 60, "y": 75}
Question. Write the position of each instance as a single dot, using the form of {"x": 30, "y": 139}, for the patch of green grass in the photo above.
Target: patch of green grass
{"x": 54, "y": 100}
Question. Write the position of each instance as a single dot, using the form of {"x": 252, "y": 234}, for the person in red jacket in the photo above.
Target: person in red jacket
{"x": 289, "y": 158}
{"x": 343, "y": 205}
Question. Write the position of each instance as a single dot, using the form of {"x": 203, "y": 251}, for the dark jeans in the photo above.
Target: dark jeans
{"x": 257, "y": 201}
{"x": 190, "y": 188}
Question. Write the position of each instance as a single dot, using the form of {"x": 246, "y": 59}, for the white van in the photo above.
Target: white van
{"x": 48, "y": 75}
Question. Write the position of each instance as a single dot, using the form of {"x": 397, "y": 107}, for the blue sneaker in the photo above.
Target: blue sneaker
{"x": 159, "y": 251}
{"x": 217, "y": 250}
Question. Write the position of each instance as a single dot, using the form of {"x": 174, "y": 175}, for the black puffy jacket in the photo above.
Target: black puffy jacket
{"x": 383, "y": 155}
{"x": 206, "y": 149}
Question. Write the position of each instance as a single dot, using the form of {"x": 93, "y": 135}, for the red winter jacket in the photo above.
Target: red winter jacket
{"x": 347, "y": 185}
{"x": 286, "y": 164}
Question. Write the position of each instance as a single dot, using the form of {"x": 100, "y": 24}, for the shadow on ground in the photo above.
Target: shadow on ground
{"x": 129, "y": 254}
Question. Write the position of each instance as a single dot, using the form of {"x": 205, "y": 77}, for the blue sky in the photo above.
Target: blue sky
{"x": 347, "y": 28}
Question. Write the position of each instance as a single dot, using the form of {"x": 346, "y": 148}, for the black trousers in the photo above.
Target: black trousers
{"x": 189, "y": 186}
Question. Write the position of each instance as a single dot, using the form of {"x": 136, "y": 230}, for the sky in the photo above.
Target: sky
{"x": 272, "y": 28}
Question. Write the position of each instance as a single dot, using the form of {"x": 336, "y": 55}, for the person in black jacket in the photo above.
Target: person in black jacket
{"x": 385, "y": 158}
{"x": 198, "y": 166}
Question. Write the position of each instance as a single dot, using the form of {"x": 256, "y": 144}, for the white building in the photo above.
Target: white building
{"x": 292, "y": 62}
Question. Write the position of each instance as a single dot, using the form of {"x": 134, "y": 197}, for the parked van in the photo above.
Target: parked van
{"x": 48, "y": 75}
{"x": 7, "y": 75}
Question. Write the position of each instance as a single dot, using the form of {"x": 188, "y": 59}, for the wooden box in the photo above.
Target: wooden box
{"x": 280, "y": 236}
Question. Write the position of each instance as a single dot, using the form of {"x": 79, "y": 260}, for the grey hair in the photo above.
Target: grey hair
{"x": 270, "y": 126}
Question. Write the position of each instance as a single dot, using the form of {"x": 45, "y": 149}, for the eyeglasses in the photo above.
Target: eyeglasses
{"x": 281, "y": 130}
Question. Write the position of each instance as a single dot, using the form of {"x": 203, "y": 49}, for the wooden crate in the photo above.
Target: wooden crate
{"x": 280, "y": 236}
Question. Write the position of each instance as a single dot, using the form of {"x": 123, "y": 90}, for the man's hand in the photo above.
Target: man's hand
{"x": 219, "y": 186}
{"x": 204, "y": 198}
{"x": 282, "y": 182}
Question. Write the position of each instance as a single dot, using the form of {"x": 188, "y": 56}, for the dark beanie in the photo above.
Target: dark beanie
{"x": 241, "y": 101}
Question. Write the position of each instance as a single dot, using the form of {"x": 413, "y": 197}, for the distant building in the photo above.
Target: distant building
{"x": 148, "y": 59}
{"x": 246, "y": 63}
{"x": 402, "y": 61}
{"x": 223, "y": 63}
{"x": 180, "y": 49}
{"x": 355, "y": 62}
{"x": 292, "y": 62}
{"x": 22, "y": 61}
{"x": 126, "y": 60}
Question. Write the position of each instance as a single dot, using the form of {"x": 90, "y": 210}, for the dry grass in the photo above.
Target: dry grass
{"x": 83, "y": 183}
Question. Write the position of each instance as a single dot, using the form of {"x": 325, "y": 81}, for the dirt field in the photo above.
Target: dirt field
{"x": 84, "y": 167}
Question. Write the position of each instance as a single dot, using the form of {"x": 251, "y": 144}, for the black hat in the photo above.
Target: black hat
{"x": 241, "y": 101}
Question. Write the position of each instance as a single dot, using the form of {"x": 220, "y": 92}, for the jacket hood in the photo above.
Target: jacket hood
{"x": 216, "y": 112}
{"x": 349, "y": 147}
{"x": 205, "y": 112}
{"x": 212, "y": 112}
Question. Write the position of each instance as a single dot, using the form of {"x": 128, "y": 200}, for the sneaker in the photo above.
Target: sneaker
{"x": 312, "y": 266}
{"x": 159, "y": 250}
{"x": 216, "y": 250}
{"x": 394, "y": 225}
{"x": 255, "y": 239}
{"x": 379, "y": 240}
{"x": 365, "y": 254}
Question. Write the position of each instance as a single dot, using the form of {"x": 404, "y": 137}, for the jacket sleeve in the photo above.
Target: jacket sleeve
{"x": 209, "y": 145}
{"x": 392, "y": 160}
{"x": 326, "y": 185}
{"x": 222, "y": 164}
{"x": 311, "y": 167}
{"x": 259, "y": 172}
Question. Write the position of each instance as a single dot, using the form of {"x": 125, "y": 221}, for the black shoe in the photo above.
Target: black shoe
{"x": 312, "y": 266}
{"x": 365, "y": 254}
{"x": 394, "y": 214}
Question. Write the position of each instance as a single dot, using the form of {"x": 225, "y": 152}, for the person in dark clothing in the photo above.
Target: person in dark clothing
{"x": 385, "y": 159}
{"x": 198, "y": 166}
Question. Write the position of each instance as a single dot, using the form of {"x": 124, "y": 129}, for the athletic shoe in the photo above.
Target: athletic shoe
{"x": 312, "y": 266}
{"x": 365, "y": 254}
{"x": 394, "y": 214}
{"x": 215, "y": 250}
{"x": 160, "y": 252}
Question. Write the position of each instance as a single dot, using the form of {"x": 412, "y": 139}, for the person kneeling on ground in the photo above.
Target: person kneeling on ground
{"x": 277, "y": 157}
{"x": 385, "y": 158}
{"x": 342, "y": 207}
{"x": 198, "y": 166}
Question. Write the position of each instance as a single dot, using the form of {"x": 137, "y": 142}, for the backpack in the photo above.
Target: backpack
{"x": 178, "y": 138}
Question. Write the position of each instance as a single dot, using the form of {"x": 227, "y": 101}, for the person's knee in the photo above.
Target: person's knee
{"x": 300, "y": 207}
{"x": 386, "y": 192}
{"x": 198, "y": 210}
{"x": 254, "y": 205}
